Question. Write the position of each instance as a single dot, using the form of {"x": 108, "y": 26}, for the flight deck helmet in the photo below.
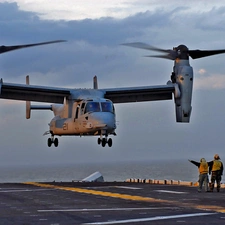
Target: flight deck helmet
{"x": 202, "y": 160}
{"x": 216, "y": 156}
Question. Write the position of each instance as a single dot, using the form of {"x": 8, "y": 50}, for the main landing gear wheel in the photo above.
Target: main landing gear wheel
{"x": 49, "y": 142}
{"x": 104, "y": 141}
{"x": 53, "y": 141}
{"x": 56, "y": 142}
{"x": 110, "y": 142}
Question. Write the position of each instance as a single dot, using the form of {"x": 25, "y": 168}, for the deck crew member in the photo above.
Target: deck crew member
{"x": 216, "y": 168}
{"x": 203, "y": 174}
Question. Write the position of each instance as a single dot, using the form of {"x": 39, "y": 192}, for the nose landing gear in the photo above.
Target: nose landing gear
{"x": 54, "y": 141}
{"x": 105, "y": 141}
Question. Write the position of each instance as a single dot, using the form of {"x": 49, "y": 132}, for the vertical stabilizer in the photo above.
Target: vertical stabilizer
{"x": 95, "y": 82}
{"x": 27, "y": 102}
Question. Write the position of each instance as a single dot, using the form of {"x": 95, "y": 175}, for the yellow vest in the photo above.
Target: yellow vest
{"x": 203, "y": 168}
{"x": 216, "y": 165}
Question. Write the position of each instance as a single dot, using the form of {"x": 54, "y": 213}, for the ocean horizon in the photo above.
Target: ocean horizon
{"x": 111, "y": 171}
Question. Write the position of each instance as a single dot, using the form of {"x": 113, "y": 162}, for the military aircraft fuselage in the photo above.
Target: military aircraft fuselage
{"x": 85, "y": 117}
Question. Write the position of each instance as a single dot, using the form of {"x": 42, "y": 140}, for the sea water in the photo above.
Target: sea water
{"x": 111, "y": 171}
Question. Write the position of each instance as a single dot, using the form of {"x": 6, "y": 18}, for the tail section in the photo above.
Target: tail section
{"x": 30, "y": 107}
{"x": 27, "y": 102}
{"x": 28, "y": 110}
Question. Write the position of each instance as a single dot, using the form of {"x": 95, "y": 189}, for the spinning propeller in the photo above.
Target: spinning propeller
{"x": 180, "y": 52}
{"x": 4, "y": 49}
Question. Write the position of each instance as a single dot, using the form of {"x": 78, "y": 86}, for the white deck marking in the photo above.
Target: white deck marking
{"x": 26, "y": 190}
{"x": 11, "y": 188}
{"x": 104, "y": 209}
{"x": 149, "y": 219}
{"x": 126, "y": 187}
{"x": 174, "y": 192}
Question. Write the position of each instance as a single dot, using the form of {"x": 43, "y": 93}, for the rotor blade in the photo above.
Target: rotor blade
{"x": 195, "y": 54}
{"x": 145, "y": 46}
{"x": 4, "y": 49}
{"x": 162, "y": 56}
{"x": 171, "y": 54}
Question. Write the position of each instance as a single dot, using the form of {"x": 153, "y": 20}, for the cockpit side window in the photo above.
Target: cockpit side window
{"x": 107, "y": 107}
{"x": 77, "y": 111}
{"x": 82, "y": 105}
{"x": 82, "y": 108}
{"x": 92, "y": 107}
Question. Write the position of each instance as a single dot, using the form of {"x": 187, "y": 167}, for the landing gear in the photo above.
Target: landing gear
{"x": 105, "y": 141}
{"x": 110, "y": 142}
{"x": 49, "y": 142}
{"x": 54, "y": 141}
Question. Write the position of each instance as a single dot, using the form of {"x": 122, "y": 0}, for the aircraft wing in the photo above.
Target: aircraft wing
{"x": 140, "y": 94}
{"x": 36, "y": 93}
{"x": 32, "y": 93}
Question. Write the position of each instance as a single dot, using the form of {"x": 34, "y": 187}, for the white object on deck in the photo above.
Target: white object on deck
{"x": 94, "y": 177}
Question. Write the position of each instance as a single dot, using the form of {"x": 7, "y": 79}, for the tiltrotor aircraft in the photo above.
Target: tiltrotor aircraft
{"x": 91, "y": 112}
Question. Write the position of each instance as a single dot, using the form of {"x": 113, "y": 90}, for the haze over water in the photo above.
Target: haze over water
{"x": 113, "y": 171}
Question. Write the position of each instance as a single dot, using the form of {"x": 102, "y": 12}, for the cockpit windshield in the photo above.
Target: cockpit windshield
{"x": 107, "y": 107}
{"x": 92, "y": 107}
{"x": 99, "y": 107}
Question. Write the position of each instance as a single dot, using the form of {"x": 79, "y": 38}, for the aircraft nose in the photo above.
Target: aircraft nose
{"x": 104, "y": 120}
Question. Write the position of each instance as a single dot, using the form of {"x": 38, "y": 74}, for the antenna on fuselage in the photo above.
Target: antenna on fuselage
{"x": 95, "y": 82}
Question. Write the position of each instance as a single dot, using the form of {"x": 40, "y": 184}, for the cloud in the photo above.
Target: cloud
{"x": 67, "y": 10}
{"x": 202, "y": 71}
{"x": 216, "y": 81}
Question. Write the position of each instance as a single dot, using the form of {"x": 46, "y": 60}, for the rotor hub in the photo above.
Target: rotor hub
{"x": 182, "y": 52}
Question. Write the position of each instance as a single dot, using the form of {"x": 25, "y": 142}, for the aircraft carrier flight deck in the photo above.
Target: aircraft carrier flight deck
{"x": 59, "y": 203}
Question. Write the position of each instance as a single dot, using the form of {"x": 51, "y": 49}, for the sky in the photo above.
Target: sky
{"x": 94, "y": 34}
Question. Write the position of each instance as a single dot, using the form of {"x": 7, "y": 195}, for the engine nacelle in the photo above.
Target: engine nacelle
{"x": 184, "y": 80}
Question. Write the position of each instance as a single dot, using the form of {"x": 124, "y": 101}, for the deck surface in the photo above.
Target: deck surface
{"x": 108, "y": 203}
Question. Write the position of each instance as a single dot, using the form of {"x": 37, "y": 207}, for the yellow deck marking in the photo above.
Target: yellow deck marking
{"x": 101, "y": 193}
{"x": 129, "y": 197}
